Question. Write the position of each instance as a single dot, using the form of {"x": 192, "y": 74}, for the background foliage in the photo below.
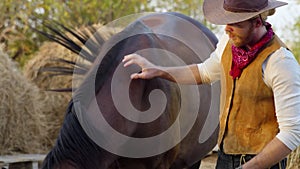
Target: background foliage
{"x": 296, "y": 42}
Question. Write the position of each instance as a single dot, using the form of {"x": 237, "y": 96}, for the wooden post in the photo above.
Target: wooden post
{"x": 21, "y": 161}
{"x": 21, "y": 165}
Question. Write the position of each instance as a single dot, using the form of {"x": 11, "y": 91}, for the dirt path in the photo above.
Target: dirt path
{"x": 209, "y": 162}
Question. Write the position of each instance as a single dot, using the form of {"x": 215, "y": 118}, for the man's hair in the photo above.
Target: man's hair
{"x": 265, "y": 15}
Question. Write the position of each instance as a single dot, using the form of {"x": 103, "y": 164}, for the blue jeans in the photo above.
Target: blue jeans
{"x": 226, "y": 161}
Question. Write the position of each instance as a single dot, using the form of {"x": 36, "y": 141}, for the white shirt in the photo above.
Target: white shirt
{"x": 281, "y": 72}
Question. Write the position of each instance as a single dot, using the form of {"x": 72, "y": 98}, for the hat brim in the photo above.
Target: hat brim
{"x": 215, "y": 13}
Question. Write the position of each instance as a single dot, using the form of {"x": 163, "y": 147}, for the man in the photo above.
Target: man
{"x": 260, "y": 83}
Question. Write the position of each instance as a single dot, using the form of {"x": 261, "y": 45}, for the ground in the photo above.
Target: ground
{"x": 209, "y": 162}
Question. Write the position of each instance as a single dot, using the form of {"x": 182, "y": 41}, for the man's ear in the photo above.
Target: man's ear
{"x": 259, "y": 22}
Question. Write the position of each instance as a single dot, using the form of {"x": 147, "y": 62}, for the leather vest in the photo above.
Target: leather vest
{"x": 247, "y": 121}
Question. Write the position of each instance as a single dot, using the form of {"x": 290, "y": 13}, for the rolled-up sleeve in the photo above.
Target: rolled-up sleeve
{"x": 282, "y": 74}
{"x": 210, "y": 69}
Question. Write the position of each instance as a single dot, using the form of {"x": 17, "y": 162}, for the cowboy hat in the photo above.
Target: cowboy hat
{"x": 223, "y": 12}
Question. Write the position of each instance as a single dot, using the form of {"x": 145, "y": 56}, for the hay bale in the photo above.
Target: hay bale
{"x": 57, "y": 102}
{"x": 294, "y": 159}
{"x": 45, "y": 57}
{"x": 22, "y": 128}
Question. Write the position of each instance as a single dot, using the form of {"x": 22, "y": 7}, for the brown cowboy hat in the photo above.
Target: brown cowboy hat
{"x": 223, "y": 12}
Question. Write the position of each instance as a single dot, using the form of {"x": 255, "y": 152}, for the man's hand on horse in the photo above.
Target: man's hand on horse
{"x": 149, "y": 70}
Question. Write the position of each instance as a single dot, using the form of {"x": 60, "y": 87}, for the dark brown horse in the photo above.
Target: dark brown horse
{"x": 113, "y": 122}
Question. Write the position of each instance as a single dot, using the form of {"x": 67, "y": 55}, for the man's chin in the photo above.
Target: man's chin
{"x": 232, "y": 42}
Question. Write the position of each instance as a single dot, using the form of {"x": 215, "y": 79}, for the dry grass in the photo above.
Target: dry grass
{"x": 294, "y": 159}
{"x": 57, "y": 102}
{"x": 209, "y": 162}
{"x": 22, "y": 126}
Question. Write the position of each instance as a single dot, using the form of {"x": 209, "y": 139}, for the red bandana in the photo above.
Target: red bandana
{"x": 241, "y": 58}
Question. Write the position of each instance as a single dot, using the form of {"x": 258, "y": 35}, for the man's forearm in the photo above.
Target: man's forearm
{"x": 182, "y": 75}
{"x": 274, "y": 152}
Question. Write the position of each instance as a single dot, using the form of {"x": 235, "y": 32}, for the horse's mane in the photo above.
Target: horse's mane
{"x": 66, "y": 151}
{"x": 85, "y": 43}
